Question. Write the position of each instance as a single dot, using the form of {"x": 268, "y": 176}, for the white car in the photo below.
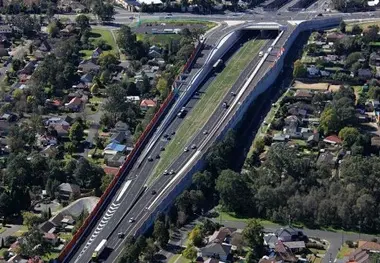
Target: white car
{"x": 131, "y": 220}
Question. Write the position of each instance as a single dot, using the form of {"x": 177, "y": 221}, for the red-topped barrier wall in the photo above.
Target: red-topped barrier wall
{"x": 65, "y": 253}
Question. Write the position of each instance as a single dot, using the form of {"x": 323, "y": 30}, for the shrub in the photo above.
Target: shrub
{"x": 350, "y": 244}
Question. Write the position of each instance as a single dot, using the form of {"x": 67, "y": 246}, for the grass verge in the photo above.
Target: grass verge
{"x": 156, "y": 39}
{"x": 363, "y": 25}
{"x": 206, "y": 105}
{"x": 178, "y": 259}
{"x": 344, "y": 251}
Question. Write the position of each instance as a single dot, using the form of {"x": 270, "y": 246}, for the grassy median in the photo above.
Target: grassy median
{"x": 206, "y": 105}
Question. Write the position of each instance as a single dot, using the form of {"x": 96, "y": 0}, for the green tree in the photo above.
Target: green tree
{"x": 76, "y": 133}
{"x": 16, "y": 64}
{"x": 106, "y": 180}
{"x": 190, "y": 253}
{"x": 83, "y": 22}
{"x": 329, "y": 121}
{"x": 299, "y": 70}
{"x": 108, "y": 61}
{"x": 356, "y": 30}
{"x": 95, "y": 89}
{"x": 253, "y": 236}
{"x": 342, "y": 26}
{"x": 234, "y": 191}
{"x": 349, "y": 135}
{"x": 195, "y": 236}
{"x": 30, "y": 219}
{"x": 53, "y": 29}
{"x": 162, "y": 87}
{"x": 150, "y": 250}
{"x": 34, "y": 244}
{"x": 161, "y": 233}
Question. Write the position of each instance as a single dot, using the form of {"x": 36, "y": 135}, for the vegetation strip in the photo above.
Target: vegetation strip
{"x": 207, "y": 103}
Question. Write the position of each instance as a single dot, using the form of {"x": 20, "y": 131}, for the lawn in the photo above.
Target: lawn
{"x": 21, "y": 231}
{"x": 158, "y": 39}
{"x": 344, "y": 251}
{"x": 106, "y": 35}
{"x": 226, "y": 216}
{"x": 206, "y": 105}
{"x": 178, "y": 259}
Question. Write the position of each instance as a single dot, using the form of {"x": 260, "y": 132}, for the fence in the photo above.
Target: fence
{"x": 127, "y": 165}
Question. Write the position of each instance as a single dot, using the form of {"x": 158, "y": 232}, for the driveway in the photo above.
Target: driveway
{"x": 10, "y": 230}
{"x": 336, "y": 239}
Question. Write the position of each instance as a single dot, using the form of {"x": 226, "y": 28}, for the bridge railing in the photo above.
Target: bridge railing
{"x": 106, "y": 197}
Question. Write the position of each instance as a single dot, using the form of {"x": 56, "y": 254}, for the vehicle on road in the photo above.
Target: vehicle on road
{"x": 225, "y": 105}
{"x": 182, "y": 112}
{"x": 173, "y": 132}
{"x": 162, "y": 148}
{"x": 157, "y": 156}
{"x": 186, "y": 149}
{"x": 218, "y": 64}
{"x": 131, "y": 220}
{"x": 150, "y": 158}
{"x": 154, "y": 192}
{"x": 193, "y": 146}
{"x": 99, "y": 249}
{"x": 205, "y": 132}
{"x": 166, "y": 172}
{"x": 172, "y": 172}
{"x": 261, "y": 53}
{"x": 120, "y": 235}
{"x": 168, "y": 16}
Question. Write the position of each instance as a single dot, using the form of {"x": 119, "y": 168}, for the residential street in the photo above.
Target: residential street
{"x": 334, "y": 238}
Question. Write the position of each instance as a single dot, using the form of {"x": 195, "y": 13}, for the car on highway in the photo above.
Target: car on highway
{"x": 205, "y": 132}
{"x": 168, "y": 16}
{"x": 172, "y": 172}
{"x": 173, "y": 132}
{"x": 186, "y": 149}
{"x": 150, "y": 158}
{"x": 154, "y": 192}
{"x": 157, "y": 156}
{"x": 225, "y": 105}
{"x": 182, "y": 112}
{"x": 120, "y": 235}
{"x": 261, "y": 53}
{"x": 193, "y": 146}
{"x": 162, "y": 148}
{"x": 233, "y": 94}
{"x": 166, "y": 172}
{"x": 131, "y": 220}
{"x": 166, "y": 135}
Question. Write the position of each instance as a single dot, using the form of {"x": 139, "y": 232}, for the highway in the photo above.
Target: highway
{"x": 132, "y": 198}
{"x": 114, "y": 219}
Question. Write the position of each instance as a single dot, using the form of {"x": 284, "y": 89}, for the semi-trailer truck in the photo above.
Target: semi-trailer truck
{"x": 99, "y": 249}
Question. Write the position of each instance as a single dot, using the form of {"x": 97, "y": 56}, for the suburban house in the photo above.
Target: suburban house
{"x": 333, "y": 140}
{"x": 223, "y": 235}
{"x": 75, "y": 104}
{"x": 121, "y": 127}
{"x": 68, "y": 191}
{"x": 113, "y": 148}
{"x": 374, "y": 59}
{"x": 366, "y": 252}
{"x": 312, "y": 71}
{"x": 154, "y": 54}
{"x": 134, "y": 99}
{"x": 87, "y": 66}
{"x": 289, "y": 233}
{"x": 49, "y": 151}
{"x": 116, "y": 160}
{"x": 118, "y": 137}
{"x": 51, "y": 238}
{"x": 87, "y": 78}
{"x": 96, "y": 53}
{"x": 147, "y": 103}
{"x": 217, "y": 250}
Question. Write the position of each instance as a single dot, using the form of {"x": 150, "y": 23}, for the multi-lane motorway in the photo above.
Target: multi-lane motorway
{"x": 133, "y": 202}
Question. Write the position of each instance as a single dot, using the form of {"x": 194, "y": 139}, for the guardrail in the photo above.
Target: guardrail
{"x": 124, "y": 169}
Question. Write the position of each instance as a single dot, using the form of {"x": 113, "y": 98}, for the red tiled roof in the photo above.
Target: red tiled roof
{"x": 110, "y": 170}
{"x": 75, "y": 101}
{"x": 50, "y": 236}
{"x": 333, "y": 138}
{"x": 148, "y": 103}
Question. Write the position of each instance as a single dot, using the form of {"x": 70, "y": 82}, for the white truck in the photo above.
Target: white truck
{"x": 99, "y": 249}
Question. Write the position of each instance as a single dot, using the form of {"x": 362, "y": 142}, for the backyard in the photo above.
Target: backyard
{"x": 207, "y": 104}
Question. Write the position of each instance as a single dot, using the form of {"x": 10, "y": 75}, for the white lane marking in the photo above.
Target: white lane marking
{"x": 125, "y": 187}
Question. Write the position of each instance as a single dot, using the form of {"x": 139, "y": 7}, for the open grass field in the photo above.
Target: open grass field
{"x": 158, "y": 39}
{"x": 206, "y": 105}
{"x": 178, "y": 259}
{"x": 106, "y": 35}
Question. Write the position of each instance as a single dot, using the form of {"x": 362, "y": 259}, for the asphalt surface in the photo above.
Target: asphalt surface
{"x": 109, "y": 226}
{"x": 116, "y": 218}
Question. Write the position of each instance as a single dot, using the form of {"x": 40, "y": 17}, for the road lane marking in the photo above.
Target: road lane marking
{"x": 125, "y": 187}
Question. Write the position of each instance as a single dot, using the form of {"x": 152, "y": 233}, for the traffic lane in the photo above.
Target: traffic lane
{"x": 87, "y": 251}
{"x": 156, "y": 151}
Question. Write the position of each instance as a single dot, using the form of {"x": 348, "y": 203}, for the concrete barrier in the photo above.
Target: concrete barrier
{"x": 106, "y": 197}
{"x": 265, "y": 82}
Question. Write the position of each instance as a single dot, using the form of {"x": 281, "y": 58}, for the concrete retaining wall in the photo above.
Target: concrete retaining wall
{"x": 266, "y": 81}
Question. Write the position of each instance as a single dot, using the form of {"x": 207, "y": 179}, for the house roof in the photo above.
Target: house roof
{"x": 148, "y": 103}
{"x": 286, "y": 231}
{"x": 47, "y": 226}
{"x": 86, "y": 78}
{"x": 294, "y": 244}
{"x": 118, "y": 137}
{"x": 110, "y": 170}
{"x": 375, "y": 141}
{"x": 50, "y": 236}
{"x": 367, "y": 245}
{"x": 75, "y": 102}
{"x": 219, "y": 236}
{"x": 217, "y": 249}
{"x": 115, "y": 147}
{"x": 211, "y": 260}
{"x": 72, "y": 188}
{"x": 333, "y": 139}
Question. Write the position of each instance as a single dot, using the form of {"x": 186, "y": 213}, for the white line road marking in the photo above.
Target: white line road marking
{"x": 125, "y": 187}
